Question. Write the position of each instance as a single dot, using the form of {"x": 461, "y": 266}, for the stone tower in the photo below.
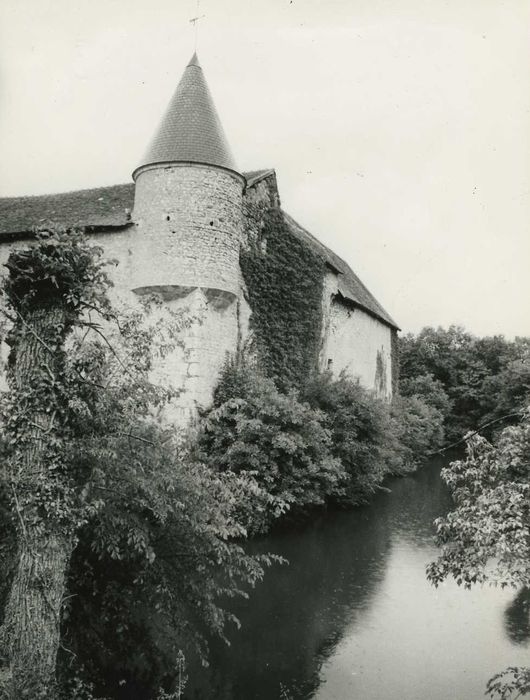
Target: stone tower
{"x": 188, "y": 215}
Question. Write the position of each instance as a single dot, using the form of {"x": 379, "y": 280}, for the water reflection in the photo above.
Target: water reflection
{"x": 295, "y": 619}
{"x": 353, "y": 617}
{"x": 517, "y": 617}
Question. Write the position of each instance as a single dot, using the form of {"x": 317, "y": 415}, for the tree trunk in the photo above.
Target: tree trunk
{"x": 32, "y": 619}
{"x": 32, "y": 616}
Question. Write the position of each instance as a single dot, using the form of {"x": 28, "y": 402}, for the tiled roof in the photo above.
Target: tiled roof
{"x": 103, "y": 207}
{"x": 190, "y": 130}
{"x": 350, "y": 286}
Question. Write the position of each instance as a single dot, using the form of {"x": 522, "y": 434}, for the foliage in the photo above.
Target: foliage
{"x": 491, "y": 520}
{"x": 284, "y": 279}
{"x": 505, "y": 392}
{"x": 158, "y": 552}
{"x": 331, "y": 441}
{"x": 154, "y": 530}
{"x": 60, "y": 266}
{"x": 282, "y": 442}
{"x": 362, "y": 432}
{"x": 510, "y": 683}
{"x": 484, "y": 378}
{"x": 237, "y": 380}
{"x": 486, "y": 538}
{"x": 418, "y": 430}
{"x": 430, "y": 390}
{"x": 63, "y": 272}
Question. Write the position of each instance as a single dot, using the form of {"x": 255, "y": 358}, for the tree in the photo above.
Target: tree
{"x": 119, "y": 534}
{"x": 48, "y": 287}
{"x": 483, "y": 378}
{"x": 486, "y": 538}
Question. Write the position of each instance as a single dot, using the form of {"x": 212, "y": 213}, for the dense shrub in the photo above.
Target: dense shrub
{"x": 281, "y": 441}
{"x": 362, "y": 432}
{"x": 157, "y": 557}
{"x": 371, "y": 437}
{"x": 331, "y": 441}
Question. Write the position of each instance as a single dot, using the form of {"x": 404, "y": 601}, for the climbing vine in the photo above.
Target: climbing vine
{"x": 50, "y": 286}
{"x": 284, "y": 278}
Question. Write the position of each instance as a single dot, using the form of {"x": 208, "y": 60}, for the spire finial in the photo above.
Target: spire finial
{"x": 195, "y": 22}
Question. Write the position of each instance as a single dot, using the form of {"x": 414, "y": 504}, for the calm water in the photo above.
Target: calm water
{"x": 353, "y": 616}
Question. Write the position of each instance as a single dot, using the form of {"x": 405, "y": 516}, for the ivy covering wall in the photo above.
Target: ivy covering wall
{"x": 284, "y": 279}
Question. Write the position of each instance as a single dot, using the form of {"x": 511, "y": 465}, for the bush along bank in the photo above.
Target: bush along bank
{"x": 329, "y": 442}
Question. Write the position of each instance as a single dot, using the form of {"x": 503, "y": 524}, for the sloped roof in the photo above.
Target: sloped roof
{"x": 350, "y": 286}
{"x": 190, "y": 130}
{"x": 254, "y": 176}
{"x": 102, "y": 207}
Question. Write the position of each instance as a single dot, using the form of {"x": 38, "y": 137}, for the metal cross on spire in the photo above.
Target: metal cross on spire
{"x": 195, "y": 22}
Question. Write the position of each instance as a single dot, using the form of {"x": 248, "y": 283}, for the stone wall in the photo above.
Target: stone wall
{"x": 355, "y": 342}
{"x": 188, "y": 228}
{"x": 211, "y": 334}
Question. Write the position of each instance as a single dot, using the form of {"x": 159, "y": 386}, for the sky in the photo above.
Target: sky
{"x": 399, "y": 129}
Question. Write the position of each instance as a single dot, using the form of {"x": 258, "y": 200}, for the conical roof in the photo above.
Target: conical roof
{"x": 190, "y": 130}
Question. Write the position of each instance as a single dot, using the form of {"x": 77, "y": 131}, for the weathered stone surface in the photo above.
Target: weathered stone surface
{"x": 188, "y": 228}
{"x": 355, "y": 342}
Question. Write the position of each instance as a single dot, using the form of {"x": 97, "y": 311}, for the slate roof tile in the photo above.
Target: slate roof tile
{"x": 190, "y": 130}
{"x": 101, "y": 207}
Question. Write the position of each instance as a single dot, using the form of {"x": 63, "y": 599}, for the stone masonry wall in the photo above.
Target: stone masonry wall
{"x": 355, "y": 342}
{"x": 211, "y": 328}
{"x": 188, "y": 228}
{"x": 185, "y": 246}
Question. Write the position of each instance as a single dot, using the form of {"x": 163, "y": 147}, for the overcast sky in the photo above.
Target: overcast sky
{"x": 399, "y": 129}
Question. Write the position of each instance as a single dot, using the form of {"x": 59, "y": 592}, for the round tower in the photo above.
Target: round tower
{"x": 188, "y": 215}
{"x": 188, "y": 197}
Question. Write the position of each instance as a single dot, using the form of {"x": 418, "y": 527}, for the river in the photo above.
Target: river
{"x": 353, "y": 617}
